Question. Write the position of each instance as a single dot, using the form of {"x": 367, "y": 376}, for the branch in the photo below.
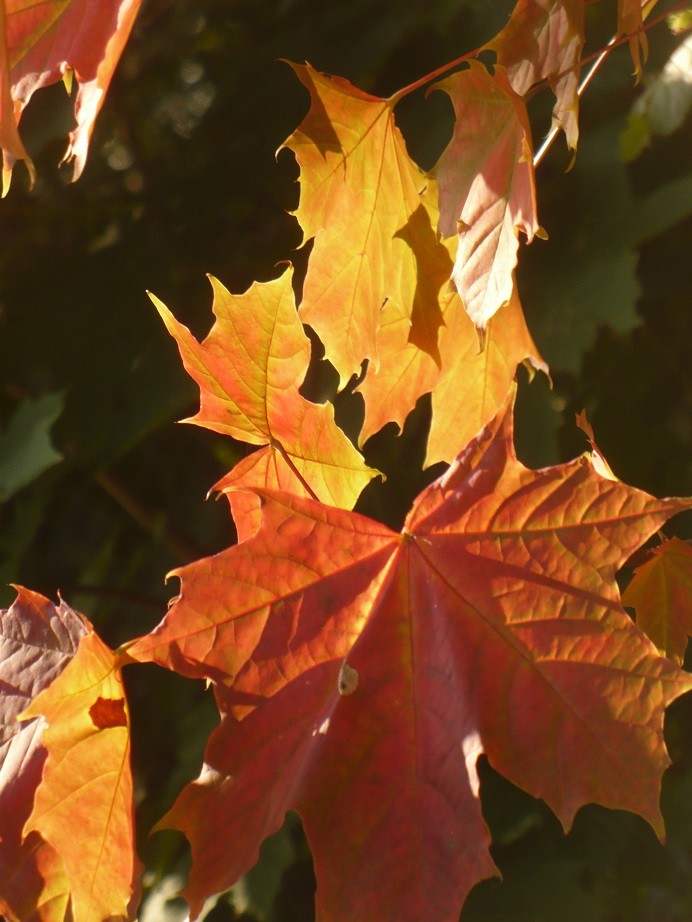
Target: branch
{"x": 180, "y": 546}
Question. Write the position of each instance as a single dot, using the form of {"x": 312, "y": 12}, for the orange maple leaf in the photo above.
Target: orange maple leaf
{"x": 83, "y": 806}
{"x": 37, "y": 641}
{"x": 359, "y": 200}
{"x": 249, "y": 370}
{"x": 474, "y": 381}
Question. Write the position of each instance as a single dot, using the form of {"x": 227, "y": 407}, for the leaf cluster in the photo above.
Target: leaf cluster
{"x": 368, "y": 678}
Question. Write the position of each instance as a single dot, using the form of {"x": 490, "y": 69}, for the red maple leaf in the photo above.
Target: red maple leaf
{"x": 360, "y": 673}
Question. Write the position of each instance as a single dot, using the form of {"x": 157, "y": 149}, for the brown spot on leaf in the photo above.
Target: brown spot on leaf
{"x": 108, "y": 712}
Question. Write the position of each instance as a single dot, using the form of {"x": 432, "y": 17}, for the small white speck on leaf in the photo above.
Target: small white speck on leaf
{"x": 323, "y": 727}
{"x": 348, "y": 679}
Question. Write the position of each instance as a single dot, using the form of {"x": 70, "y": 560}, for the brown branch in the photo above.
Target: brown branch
{"x": 615, "y": 42}
{"x": 598, "y": 57}
{"x": 438, "y": 72}
{"x": 180, "y": 546}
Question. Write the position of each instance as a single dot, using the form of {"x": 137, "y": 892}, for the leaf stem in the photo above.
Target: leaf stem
{"x": 289, "y": 461}
{"x": 438, "y": 72}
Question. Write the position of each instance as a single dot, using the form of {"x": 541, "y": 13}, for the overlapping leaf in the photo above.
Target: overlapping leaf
{"x": 543, "y": 40}
{"x": 249, "y": 369}
{"x": 409, "y": 364}
{"x": 40, "y": 44}
{"x": 661, "y": 594}
{"x": 361, "y": 673}
{"x": 37, "y": 641}
{"x": 468, "y": 385}
{"x": 486, "y": 185}
{"x": 83, "y": 806}
{"x": 468, "y": 382}
{"x": 359, "y": 200}
{"x": 630, "y": 21}
{"x": 475, "y": 382}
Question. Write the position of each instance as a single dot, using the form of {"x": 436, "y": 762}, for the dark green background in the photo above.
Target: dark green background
{"x": 181, "y": 180}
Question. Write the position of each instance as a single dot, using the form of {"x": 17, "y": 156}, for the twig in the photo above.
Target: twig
{"x": 553, "y": 133}
{"x": 181, "y": 547}
{"x": 598, "y": 58}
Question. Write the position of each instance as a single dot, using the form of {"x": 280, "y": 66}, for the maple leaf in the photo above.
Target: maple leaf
{"x": 249, "y": 370}
{"x": 486, "y": 182}
{"x": 405, "y": 373}
{"x": 409, "y": 359}
{"x": 630, "y": 23}
{"x": 543, "y": 40}
{"x": 468, "y": 383}
{"x": 660, "y": 593}
{"x": 475, "y": 382}
{"x": 83, "y": 806}
{"x": 360, "y": 673}
{"x": 42, "y": 43}
{"x": 359, "y": 200}
{"x": 37, "y": 641}
{"x": 467, "y": 387}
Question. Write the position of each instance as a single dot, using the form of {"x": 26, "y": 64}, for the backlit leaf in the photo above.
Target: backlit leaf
{"x": 360, "y": 673}
{"x": 475, "y": 381}
{"x": 83, "y": 806}
{"x": 598, "y": 459}
{"x": 409, "y": 359}
{"x": 661, "y": 594}
{"x": 486, "y": 182}
{"x": 543, "y": 40}
{"x": 630, "y": 22}
{"x": 249, "y": 370}
{"x": 359, "y": 200}
{"x": 37, "y": 641}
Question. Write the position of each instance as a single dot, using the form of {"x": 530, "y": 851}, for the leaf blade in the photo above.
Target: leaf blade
{"x": 84, "y": 804}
